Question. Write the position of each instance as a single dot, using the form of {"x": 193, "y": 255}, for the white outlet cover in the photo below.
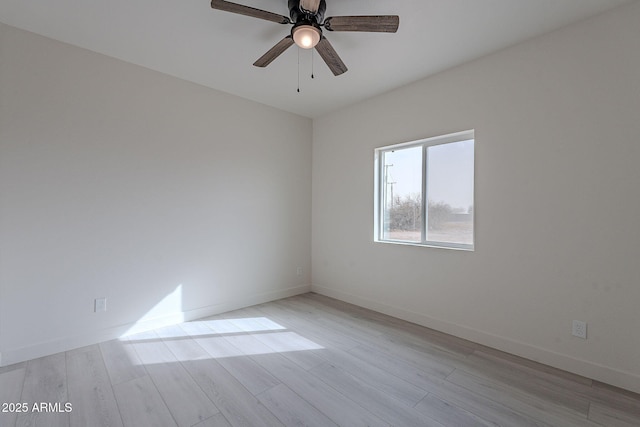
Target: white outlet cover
{"x": 100, "y": 305}
{"x": 579, "y": 329}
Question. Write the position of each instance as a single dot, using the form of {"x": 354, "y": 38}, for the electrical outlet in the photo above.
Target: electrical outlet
{"x": 299, "y": 271}
{"x": 579, "y": 329}
{"x": 100, "y": 304}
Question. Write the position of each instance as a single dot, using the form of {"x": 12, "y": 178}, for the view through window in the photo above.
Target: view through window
{"x": 424, "y": 192}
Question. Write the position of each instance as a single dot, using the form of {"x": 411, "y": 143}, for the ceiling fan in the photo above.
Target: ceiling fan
{"x": 307, "y": 17}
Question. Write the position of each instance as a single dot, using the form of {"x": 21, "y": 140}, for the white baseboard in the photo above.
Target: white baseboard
{"x": 11, "y": 356}
{"x": 595, "y": 371}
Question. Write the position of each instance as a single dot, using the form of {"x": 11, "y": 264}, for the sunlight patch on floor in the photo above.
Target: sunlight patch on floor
{"x": 223, "y": 338}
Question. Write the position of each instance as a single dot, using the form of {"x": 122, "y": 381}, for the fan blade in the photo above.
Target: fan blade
{"x": 330, "y": 56}
{"x": 373, "y": 23}
{"x": 249, "y": 11}
{"x": 274, "y": 52}
{"x": 310, "y": 5}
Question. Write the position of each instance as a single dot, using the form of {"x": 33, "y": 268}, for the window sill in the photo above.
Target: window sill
{"x": 452, "y": 246}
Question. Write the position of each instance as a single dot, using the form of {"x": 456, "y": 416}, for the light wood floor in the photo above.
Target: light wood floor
{"x": 306, "y": 360}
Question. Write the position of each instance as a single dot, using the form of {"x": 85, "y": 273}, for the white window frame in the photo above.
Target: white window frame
{"x": 379, "y": 188}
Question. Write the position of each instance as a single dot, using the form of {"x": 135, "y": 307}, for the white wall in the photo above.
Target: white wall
{"x": 120, "y": 182}
{"x": 557, "y": 123}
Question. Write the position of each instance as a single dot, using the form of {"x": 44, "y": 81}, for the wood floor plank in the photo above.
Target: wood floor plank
{"x": 182, "y": 346}
{"x": 555, "y": 374}
{"x": 329, "y": 316}
{"x": 278, "y": 337}
{"x": 437, "y": 353}
{"x": 521, "y": 380}
{"x": 300, "y": 350}
{"x": 172, "y": 332}
{"x": 451, "y": 415}
{"x": 377, "y": 378}
{"x": 220, "y": 347}
{"x": 149, "y": 348}
{"x": 198, "y": 329}
{"x": 90, "y": 390}
{"x": 250, "y": 345}
{"x": 291, "y": 409}
{"x": 235, "y": 402}
{"x": 45, "y": 382}
{"x": 381, "y": 404}
{"x": 217, "y": 420}
{"x": 479, "y": 405}
{"x": 426, "y": 361}
{"x": 612, "y": 397}
{"x": 253, "y": 345}
{"x": 184, "y": 398}
{"x": 251, "y": 323}
{"x": 141, "y": 405}
{"x": 283, "y": 313}
{"x": 544, "y": 375}
{"x": 336, "y": 406}
{"x": 223, "y": 325}
{"x": 540, "y": 408}
{"x": 249, "y": 373}
{"x": 346, "y": 325}
{"x": 121, "y": 361}
{"x": 11, "y": 382}
{"x": 398, "y": 365}
{"x": 609, "y": 416}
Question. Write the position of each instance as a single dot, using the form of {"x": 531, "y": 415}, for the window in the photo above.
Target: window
{"x": 424, "y": 192}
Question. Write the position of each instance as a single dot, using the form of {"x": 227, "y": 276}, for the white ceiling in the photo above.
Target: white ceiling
{"x": 189, "y": 40}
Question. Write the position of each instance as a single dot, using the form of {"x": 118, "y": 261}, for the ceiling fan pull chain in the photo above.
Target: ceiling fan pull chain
{"x": 298, "y": 70}
{"x": 312, "y": 63}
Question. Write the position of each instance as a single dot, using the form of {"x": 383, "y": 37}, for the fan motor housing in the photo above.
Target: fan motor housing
{"x": 298, "y": 14}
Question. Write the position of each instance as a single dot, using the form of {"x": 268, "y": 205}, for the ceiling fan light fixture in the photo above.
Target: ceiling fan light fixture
{"x": 306, "y": 36}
